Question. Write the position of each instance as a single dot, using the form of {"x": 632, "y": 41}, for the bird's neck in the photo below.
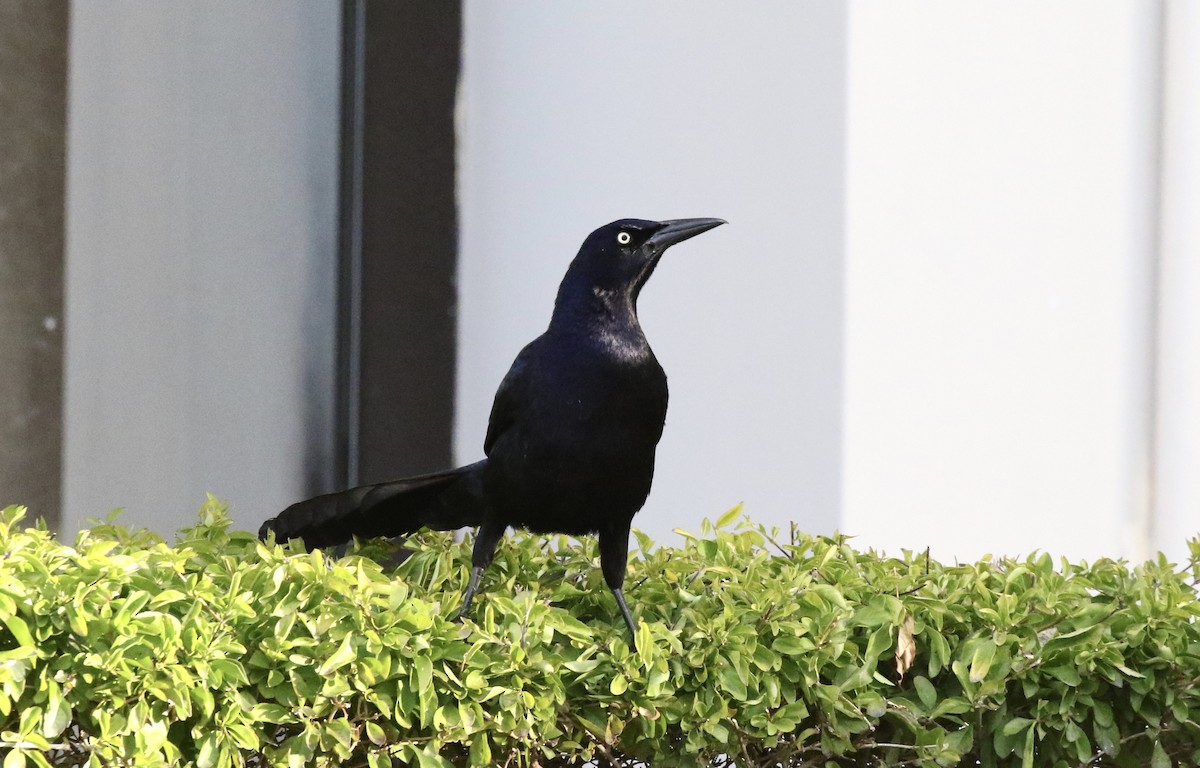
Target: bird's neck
{"x": 603, "y": 314}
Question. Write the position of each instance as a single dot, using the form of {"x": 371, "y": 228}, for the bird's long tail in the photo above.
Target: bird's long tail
{"x": 442, "y": 501}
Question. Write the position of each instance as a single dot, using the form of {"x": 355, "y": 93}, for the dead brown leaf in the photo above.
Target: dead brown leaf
{"x": 906, "y": 646}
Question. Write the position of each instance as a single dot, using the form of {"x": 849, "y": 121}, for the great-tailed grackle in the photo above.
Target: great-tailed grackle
{"x": 571, "y": 439}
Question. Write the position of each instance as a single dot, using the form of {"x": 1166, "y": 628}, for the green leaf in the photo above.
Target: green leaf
{"x": 31, "y": 718}
{"x": 340, "y": 658}
{"x": 20, "y": 631}
{"x": 939, "y": 652}
{"x": 424, "y": 669}
{"x": 1067, "y": 674}
{"x": 718, "y": 730}
{"x": 953, "y": 705}
{"x": 427, "y": 759}
{"x": 1158, "y": 758}
{"x": 243, "y": 735}
{"x": 981, "y": 660}
{"x": 881, "y": 611}
{"x": 342, "y": 732}
{"x": 569, "y": 626}
{"x": 1107, "y": 738}
{"x": 207, "y": 757}
{"x": 872, "y": 704}
{"x": 732, "y": 682}
{"x": 1016, "y": 725}
{"x": 268, "y": 712}
{"x": 645, "y": 543}
{"x": 656, "y": 678}
{"x": 166, "y": 597}
{"x": 925, "y": 691}
{"x": 831, "y": 594}
{"x": 481, "y": 750}
{"x": 728, "y": 517}
{"x": 579, "y": 666}
{"x": 789, "y": 645}
{"x": 182, "y": 655}
{"x": 375, "y": 734}
{"x": 58, "y": 711}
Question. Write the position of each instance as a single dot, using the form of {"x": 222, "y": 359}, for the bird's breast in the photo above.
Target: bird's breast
{"x": 584, "y": 449}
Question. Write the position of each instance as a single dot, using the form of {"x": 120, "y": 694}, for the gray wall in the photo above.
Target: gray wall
{"x": 202, "y": 205}
{"x": 33, "y": 58}
{"x": 934, "y": 316}
{"x": 948, "y": 309}
{"x": 572, "y": 116}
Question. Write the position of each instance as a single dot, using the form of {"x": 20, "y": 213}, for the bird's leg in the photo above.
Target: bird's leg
{"x": 472, "y": 586}
{"x": 481, "y": 557}
{"x": 614, "y": 554}
{"x": 629, "y": 622}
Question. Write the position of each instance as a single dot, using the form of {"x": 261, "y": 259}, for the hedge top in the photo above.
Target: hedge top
{"x": 754, "y": 649}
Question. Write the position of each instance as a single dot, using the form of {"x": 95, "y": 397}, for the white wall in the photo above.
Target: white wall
{"x": 574, "y": 115}
{"x": 1178, "y": 425}
{"x": 1000, "y": 244}
{"x": 201, "y": 225}
{"x": 932, "y": 318}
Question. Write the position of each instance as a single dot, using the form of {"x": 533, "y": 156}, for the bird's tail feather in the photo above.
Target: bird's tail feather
{"x": 442, "y": 501}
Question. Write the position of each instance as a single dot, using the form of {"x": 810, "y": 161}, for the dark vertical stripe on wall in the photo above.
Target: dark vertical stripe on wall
{"x": 399, "y": 237}
{"x": 33, "y": 84}
{"x": 349, "y": 353}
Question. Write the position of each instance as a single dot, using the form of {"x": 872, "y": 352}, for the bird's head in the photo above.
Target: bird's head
{"x": 618, "y": 258}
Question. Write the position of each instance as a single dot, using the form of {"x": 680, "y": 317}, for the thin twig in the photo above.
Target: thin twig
{"x": 784, "y": 552}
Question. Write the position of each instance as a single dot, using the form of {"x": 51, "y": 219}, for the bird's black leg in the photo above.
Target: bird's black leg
{"x": 614, "y": 553}
{"x": 481, "y": 557}
{"x": 629, "y": 622}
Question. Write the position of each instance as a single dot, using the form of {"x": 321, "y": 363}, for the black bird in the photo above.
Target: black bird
{"x": 571, "y": 438}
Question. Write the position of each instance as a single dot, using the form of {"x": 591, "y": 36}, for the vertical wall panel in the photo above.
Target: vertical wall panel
{"x": 409, "y": 239}
{"x": 33, "y": 72}
{"x": 1178, "y": 454}
{"x": 575, "y": 115}
{"x": 201, "y": 235}
{"x": 1000, "y": 238}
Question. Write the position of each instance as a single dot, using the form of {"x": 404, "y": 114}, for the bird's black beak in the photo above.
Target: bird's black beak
{"x": 678, "y": 230}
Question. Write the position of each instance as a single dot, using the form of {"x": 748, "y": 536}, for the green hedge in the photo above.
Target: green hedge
{"x": 754, "y": 650}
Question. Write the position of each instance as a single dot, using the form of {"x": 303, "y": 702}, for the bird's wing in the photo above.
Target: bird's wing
{"x": 511, "y": 399}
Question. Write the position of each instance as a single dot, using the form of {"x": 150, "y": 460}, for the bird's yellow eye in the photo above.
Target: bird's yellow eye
{"x": 623, "y": 238}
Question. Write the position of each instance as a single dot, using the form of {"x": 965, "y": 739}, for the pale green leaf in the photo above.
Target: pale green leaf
{"x": 729, "y": 516}
{"x": 340, "y": 658}
{"x": 981, "y": 660}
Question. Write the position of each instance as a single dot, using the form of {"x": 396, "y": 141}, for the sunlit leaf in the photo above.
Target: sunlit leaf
{"x": 220, "y": 651}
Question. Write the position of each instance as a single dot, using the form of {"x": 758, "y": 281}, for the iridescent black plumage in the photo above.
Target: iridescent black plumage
{"x": 572, "y": 434}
